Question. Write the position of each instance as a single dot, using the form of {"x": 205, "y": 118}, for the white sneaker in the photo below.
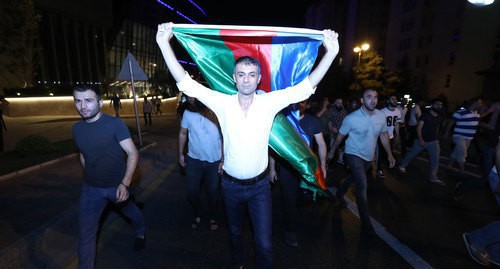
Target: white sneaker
{"x": 437, "y": 181}
{"x": 402, "y": 169}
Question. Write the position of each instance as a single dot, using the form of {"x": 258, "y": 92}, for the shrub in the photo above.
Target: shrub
{"x": 33, "y": 144}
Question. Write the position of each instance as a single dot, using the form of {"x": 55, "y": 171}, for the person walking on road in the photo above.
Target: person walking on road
{"x": 339, "y": 112}
{"x": 427, "y": 139}
{"x": 116, "y": 103}
{"x": 289, "y": 178}
{"x": 246, "y": 120}
{"x": 393, "y": 118}
{"x": 147, "y": 110}
{"x": 466, "y": 120}
{"x": 413, "y": 116}
{"x": 157, "y": 104}
{"x": 363, "y": 127}
{"x": 109, "y": 158}
{"x": 203, "y": 163}
{"x": 3, "y": 104}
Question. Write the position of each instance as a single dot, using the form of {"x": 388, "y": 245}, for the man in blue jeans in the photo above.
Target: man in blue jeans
{"x": 363, "y": 127}
{"x": 246, "y": 120}
{"x": 427, "y": 139}
{"x": 104, "y": 143}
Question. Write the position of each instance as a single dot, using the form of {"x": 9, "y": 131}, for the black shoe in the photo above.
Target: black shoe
{"x": 139, "y": 243}
{"x": 480, "y": 257}
{"x": 380, "y": 174}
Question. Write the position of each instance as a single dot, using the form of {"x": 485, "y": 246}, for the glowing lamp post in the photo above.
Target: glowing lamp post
{"x": 481, "y": 2}
{"x": 359, "y": 50}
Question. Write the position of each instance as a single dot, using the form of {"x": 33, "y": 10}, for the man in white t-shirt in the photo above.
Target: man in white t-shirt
{"x": 393, "y": 118}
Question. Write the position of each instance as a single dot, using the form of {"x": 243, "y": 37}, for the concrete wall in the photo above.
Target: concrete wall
{"x": 64, "y": 106}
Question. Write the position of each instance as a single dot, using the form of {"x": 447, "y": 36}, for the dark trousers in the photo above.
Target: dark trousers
{"x": 257, "y": 199}
{"x": 289, "y": 182}
{"x": 358, "y": 168}
{"x": 198, "y": 172}
{"x": 147, "y": 118}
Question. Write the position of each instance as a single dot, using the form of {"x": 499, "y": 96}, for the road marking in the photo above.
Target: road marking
{"x": 403, "y": 250}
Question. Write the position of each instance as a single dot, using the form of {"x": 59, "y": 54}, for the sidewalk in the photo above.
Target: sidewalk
{"x": 38, "y": 209}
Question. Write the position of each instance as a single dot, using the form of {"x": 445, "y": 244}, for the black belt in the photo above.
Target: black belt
{"x": 246, "y": 181}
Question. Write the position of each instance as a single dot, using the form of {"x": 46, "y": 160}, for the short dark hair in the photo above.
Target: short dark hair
{"x": 247, "y": 60}
{"x": 437, "y": 100}
{"x": 365, "y": 90}
{"x": 83, "y": 88}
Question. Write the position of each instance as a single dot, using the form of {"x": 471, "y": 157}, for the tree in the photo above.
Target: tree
{"x": 371, "y": 73}
{"x": 18, "y": 35}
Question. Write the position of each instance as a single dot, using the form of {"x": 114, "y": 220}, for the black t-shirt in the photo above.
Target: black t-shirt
{"x": 431, "y": 126}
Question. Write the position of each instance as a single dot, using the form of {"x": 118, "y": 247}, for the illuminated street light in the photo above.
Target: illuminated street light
{"x": 359, "y": 50}
{"x": 481, "y": 2}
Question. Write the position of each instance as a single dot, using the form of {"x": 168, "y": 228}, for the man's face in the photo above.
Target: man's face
{"x": 369, "y": 100}
{"x": 338, "y": 104}
{"x": 478, "y": 105}
{"x": 393, "y": 101}
{"x": 247, "y": 78}
{"x": 87, "y": 104}
{"x": 190, "y": 100}
{"x": 437, "y": 106}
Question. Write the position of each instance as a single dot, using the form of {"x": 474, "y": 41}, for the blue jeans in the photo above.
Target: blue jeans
{"x": 93, "y": 201}
{"x": 487, "y": 238}
{"x": 258, "y": 199}
{"x": 358, "y": 168}
{"x": 196, "y": 172}
{"x": 432, "y": 149}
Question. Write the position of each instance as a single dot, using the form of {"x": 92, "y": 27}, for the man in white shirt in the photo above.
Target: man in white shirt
{"x": 246, "y": 119}
{"x": 392, "y": 118}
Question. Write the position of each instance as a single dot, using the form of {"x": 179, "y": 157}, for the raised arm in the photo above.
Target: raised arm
{"x": 163, "y": 37}
{"x": 331, "y": 44}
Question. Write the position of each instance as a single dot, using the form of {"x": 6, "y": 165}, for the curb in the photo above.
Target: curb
{"x": 32, "y": 168}
{"x": 38, "y": 166}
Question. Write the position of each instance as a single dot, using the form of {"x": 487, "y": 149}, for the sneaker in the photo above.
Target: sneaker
{"x": 497, "y": 263}
{"x": 139, "y": 243}
{"x": 291, "y": 239}
{"x": 437, "y": 181}
{"x": 476, "y": 255}
{"x": 340, "y": 161}
{"x": 402, "y": 169}
{"x": 457, "y": 194}
{"x": 380, "y": 174}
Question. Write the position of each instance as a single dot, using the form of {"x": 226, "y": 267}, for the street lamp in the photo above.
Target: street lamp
{"x": 359, "y": 49}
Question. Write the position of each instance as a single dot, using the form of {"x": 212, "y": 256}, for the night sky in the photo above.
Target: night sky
{"x": 258, "y": 12}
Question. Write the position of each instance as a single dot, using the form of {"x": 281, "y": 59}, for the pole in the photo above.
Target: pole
{"x": 135, "y": 103}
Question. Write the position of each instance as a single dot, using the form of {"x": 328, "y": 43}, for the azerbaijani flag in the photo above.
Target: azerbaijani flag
{"x": 287, "y": 56}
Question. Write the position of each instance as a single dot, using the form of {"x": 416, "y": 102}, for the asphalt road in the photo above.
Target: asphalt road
{"x": 418, "y": 224}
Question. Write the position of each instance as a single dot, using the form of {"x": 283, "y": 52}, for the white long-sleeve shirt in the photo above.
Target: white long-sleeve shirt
{"x": 246, "y": 138}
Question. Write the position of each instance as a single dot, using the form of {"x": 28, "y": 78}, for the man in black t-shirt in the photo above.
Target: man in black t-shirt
{"x": 427, "y": 139}
{"x": 289, "y": 178}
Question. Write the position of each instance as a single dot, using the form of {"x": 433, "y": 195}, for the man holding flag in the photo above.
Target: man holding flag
{"x": 246, "y": 120}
